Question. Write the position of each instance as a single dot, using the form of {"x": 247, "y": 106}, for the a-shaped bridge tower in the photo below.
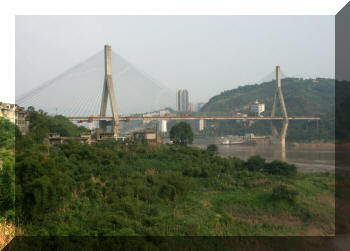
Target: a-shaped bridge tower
{"x": 108, "y": 91}
{"x": 279, "y": 136}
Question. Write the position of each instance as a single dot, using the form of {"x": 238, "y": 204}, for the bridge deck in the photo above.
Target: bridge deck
{"x": 188, "y": 118}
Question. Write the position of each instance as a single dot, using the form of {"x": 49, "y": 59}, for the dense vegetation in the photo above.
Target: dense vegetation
{"x": 7, "y": 161}
{"x": 7, "y": 182}
{"x": 118, "y": 189}
{"x": 303, "y": 97}
{"x": 113, "y": 189}
{"x": 135, "y": 189}
{"x": 41, "y": 124}
{"x": 7, "y": 134}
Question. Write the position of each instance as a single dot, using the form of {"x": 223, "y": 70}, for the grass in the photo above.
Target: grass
{"x": 242, "y": 208}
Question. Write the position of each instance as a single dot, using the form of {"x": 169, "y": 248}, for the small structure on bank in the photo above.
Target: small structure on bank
{"x": 102, "y": 134}
{"x": 248, "y": 138}
{"x": 147, "y": 135}
{"x": 86, "y": 138}
{"x": 55, "y": 138}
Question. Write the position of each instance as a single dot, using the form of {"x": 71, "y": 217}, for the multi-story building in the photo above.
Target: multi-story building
{"x": 182, "y": 101}
{"x": 15, "y": 114}
{"x": 148, "y": 135}
{"x": 21, "y": 119}
{"x": 7, "y": 111}
{"x": 178, "y": 100}
{"x": 185, "y": 103}
{"x": 257, "y": 107}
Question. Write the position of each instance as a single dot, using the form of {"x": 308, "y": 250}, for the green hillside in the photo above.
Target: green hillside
{"x": 303, "y": 97}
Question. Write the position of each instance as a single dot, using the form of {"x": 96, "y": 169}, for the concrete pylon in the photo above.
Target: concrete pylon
{"x": 108, "y": 91}
{"x": 201, "y": 125}
{"x": 163, "y": 127}
{"x": 282, "y": 135}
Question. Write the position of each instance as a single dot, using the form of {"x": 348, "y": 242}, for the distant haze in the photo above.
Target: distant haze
{"x": 204, "y": 54}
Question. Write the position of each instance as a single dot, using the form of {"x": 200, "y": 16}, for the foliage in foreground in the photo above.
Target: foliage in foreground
{"x": 112, "y": 189}
{"x": 7, "y": 182}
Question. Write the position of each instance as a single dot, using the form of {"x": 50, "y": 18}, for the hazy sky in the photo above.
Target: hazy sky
{"x": 205, "y": 54}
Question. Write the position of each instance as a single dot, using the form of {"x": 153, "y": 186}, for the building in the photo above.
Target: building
{"x": 104, "y": 135}
{"x": 160, "y": 113}
{"x": 7, "y": 111}
{"x": 164, "y": 112}
{"x": 55, "y": 139}
{"x": 178, "y": 100}
{"x": 21, "y": 119}
{"x": 15, "y": 114}
{"x": 185, "y": 102}
{"x": 148, "y": 135}
{"x": 257, "y": 107}
{"x": 86, "y": 138}
{"x": 182, "y": 101}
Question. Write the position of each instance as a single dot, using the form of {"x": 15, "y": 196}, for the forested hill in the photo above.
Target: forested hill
{"x": 302, "y": 97}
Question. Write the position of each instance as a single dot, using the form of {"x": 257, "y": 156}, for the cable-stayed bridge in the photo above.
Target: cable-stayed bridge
{"x": 80, "y": 95}
{"x": 78, "y": 90}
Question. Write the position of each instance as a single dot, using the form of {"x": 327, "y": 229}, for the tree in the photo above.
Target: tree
{"x": 181, "y": 134}
{"x": 7, "y": 134}
{"x": 255, "y": 163}
{"x": 212, "y": 149}
{"x": 278, "y": 167}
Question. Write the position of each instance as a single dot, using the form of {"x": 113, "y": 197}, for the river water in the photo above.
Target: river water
{"x": 306, "y": 157}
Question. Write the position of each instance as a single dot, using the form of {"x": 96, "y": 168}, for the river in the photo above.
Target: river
{"x": 306, "y": 157}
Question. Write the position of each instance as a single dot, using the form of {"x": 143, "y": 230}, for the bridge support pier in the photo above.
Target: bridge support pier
{"x": 201, "y": 125}
{"x": 163, "y": 126}
{"x": 91, "y": 125}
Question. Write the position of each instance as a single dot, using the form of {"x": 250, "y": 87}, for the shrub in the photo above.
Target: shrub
{"x": 283, "y": 193}
{"x": 167, "y": 191}
{"x": 212, "y": 149}
{"x": 278, "y": 167}
{"x": 255, "y": 163}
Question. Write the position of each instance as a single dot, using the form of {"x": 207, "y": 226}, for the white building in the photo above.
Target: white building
{"x": 257, "y": 107}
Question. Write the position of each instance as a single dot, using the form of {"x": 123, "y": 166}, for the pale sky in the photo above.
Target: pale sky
{"x": 205, "y": 54}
